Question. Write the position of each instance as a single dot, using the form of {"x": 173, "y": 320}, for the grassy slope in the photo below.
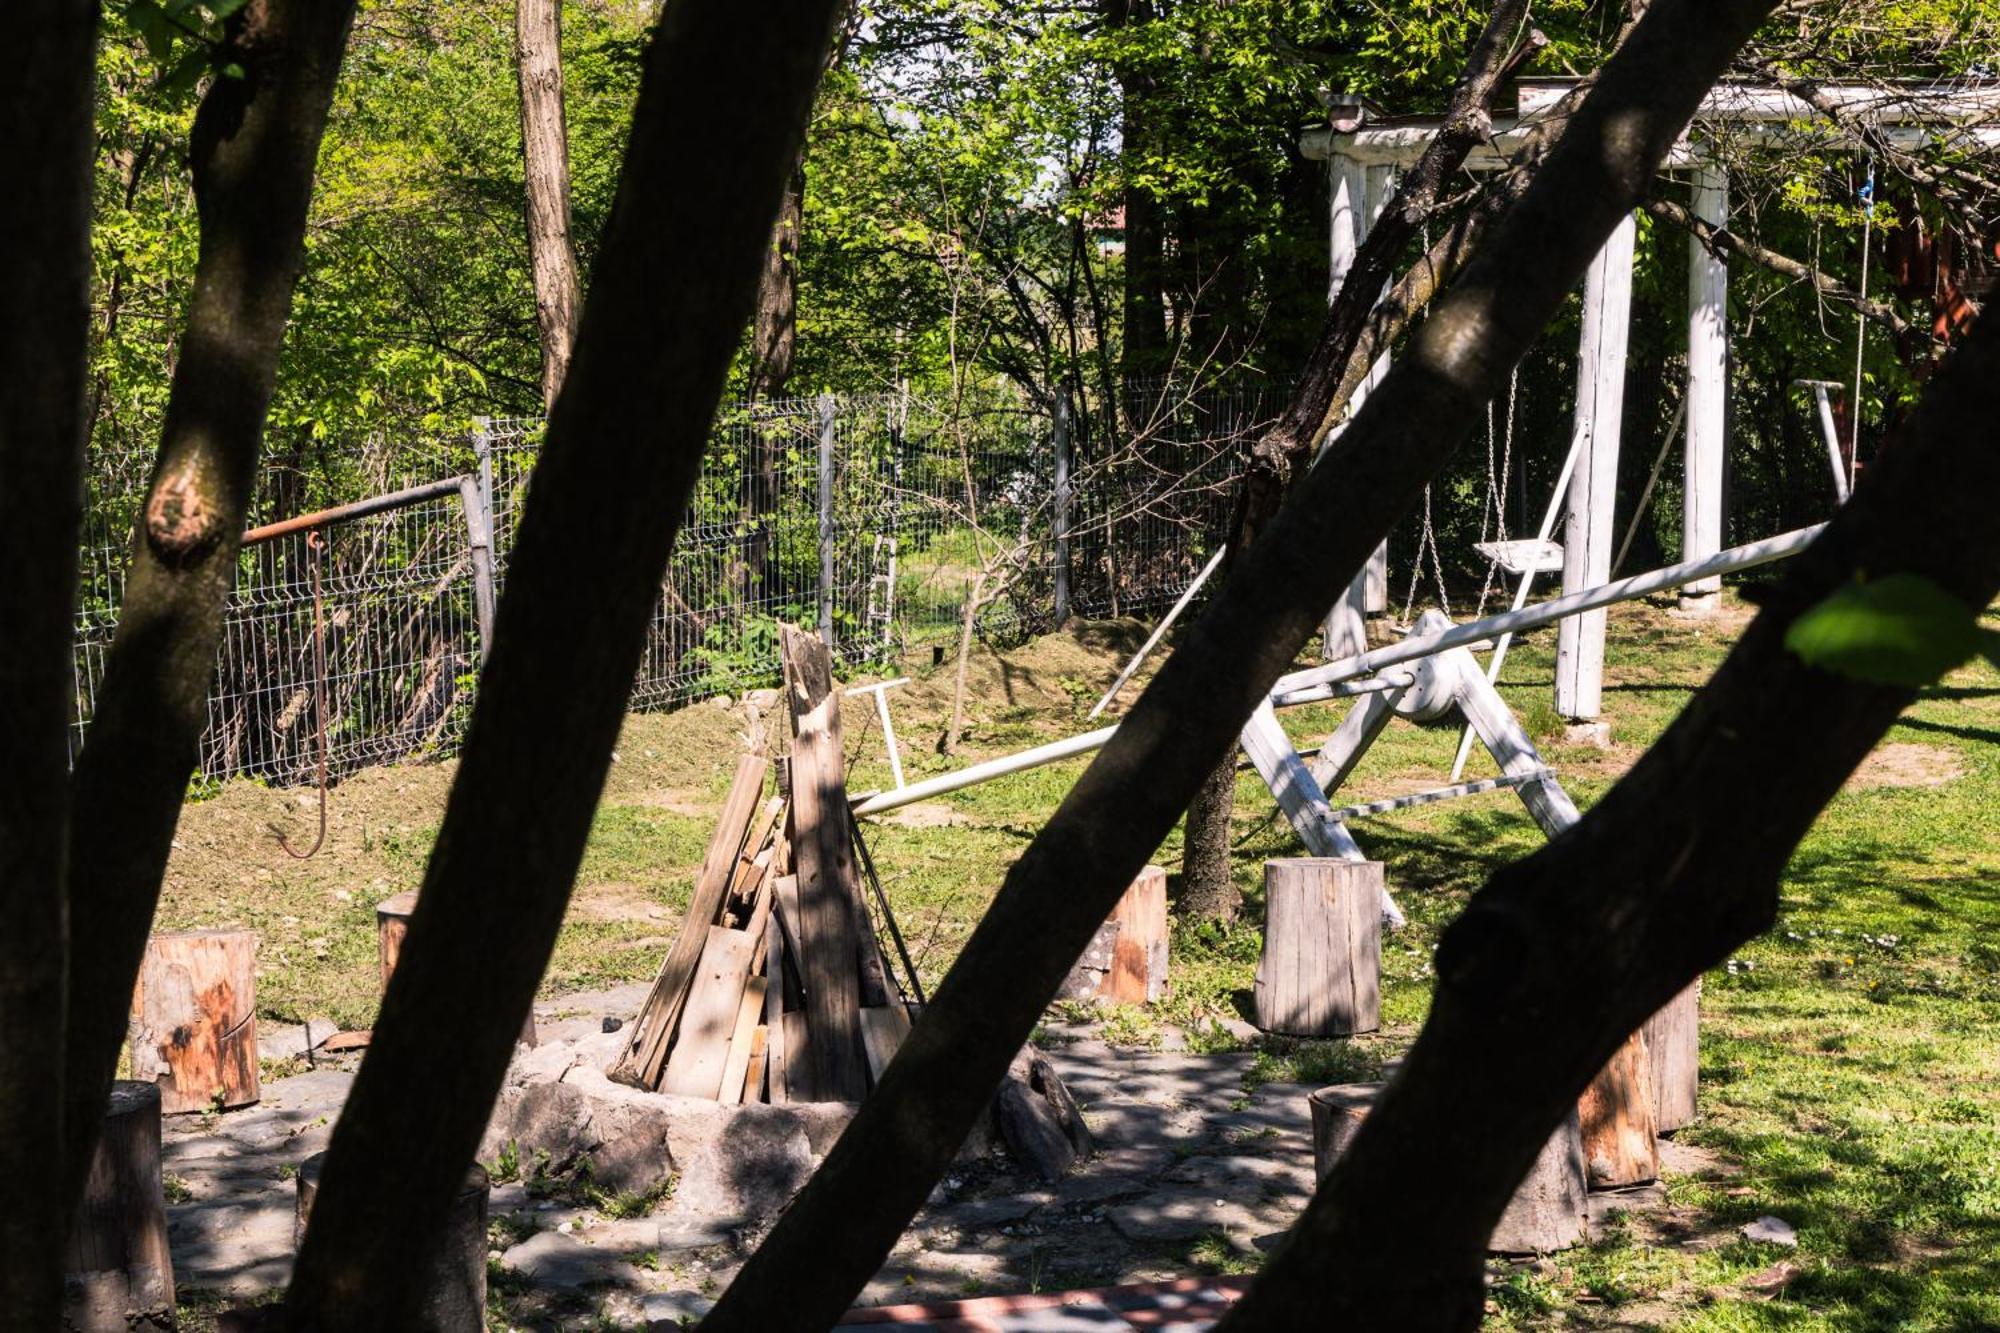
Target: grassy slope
{"x": 1848, "y": 1058}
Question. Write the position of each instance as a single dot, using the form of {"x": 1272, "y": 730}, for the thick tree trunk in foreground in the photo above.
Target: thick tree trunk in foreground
{"x": 837, "y": 1232}
{"x": 545, "y": 162}
{"x": 721, "y": 110}
{"x": 254, "y": 144}
{"x": 1565, "y": 953}
{"x": 46, "y": 115}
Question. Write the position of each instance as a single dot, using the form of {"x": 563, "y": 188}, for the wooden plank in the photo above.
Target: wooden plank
{"x": 1351, "y": 739}
{"x": 793, "y": 1029}
{"x": 645, "y": 1053}
{"x": 753, "y": 1077}
{"x": 882, "y": 1030}
{"x": 694, "y": 1067}
{"x": 738, "y": 1064}
{"x": 831, "y": 1065}
{"x": 774, "y": 1005}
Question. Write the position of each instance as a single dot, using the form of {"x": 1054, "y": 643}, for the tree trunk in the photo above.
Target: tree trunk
{"x": 194, "y": 1019}
{"x": 253, "y": 147}
{"x": 1208, "y": 891}
{"x": 723, "y": 101}
{"x": 1145, "y": 343}
{"x": 842, "y": 1225}
{"x": 392, "y": 927}
{"x": 452, "y": 1294}
{"x": 545, "y": 162}
{"x": 120, "y": 1275}
{"x": 47, "y": 115}
{"x": 773, "y": 340}
{"x": 975, "y": 597}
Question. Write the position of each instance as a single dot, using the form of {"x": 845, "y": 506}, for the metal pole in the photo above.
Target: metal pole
{"x": 1054, "y": 752}
{"x": 479, "y": 535}
{"x": 826, "y": 439}
{"x": 1831, "y": 434}
{"x": 1160, "y": 631}
{"x": 1301, "y": 687}
{"x": 1062, "y": 503}
{"x": 374, "y": 504}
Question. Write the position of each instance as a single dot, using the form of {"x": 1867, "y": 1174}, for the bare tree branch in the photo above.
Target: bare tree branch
{"x": 1723, "y": 243}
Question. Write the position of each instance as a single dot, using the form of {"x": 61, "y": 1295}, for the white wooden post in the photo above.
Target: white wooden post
{"x": 1359, "y": 195}
{"x": 1375, "y": 574}
{"x": 1707, "y": 388}
{"x": 1589, "y": 532}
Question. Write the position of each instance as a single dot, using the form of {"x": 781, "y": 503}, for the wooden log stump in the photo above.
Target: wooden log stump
{"x": 1548, "y": 1212}
{"x": 194, "y": 1019}
{"x": 1038, "y": 1119}
{"x": 454, "y": 1290}
{"x": 392, "y": 924}
{"x": 119, "y": 1274}
{"x": 1321, "y": 967}
{"x": 1091, "y": 976}
{"x": 1620, "y": 1145}
{"x": 1673, "y": 1040}
{"x": 1138, "y": 972}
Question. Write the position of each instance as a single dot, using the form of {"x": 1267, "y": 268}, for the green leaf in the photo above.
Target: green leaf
{"x": 1901, "y": 630}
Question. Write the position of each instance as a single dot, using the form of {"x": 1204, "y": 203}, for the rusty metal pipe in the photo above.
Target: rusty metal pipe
{"x": 374, "y": 504}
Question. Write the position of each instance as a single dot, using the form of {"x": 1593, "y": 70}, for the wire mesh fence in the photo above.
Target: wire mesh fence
{"x": 884, "y": 519}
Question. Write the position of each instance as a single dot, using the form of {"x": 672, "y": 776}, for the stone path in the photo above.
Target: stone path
{"x": 1192, "y": 1171}
{"x": 1190, "y": 1305}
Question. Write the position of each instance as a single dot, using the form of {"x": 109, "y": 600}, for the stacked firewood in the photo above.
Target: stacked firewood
{"x": 776, "y": 989}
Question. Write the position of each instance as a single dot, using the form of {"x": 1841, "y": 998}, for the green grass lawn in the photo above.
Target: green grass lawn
{"x": 1849, "y": 1057}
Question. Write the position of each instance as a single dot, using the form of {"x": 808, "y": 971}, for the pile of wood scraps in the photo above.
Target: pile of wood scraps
{"x": 776, "y": 988}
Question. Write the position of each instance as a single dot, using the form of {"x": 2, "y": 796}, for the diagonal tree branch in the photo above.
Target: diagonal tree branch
{"x": 722, "y": 108}
{"x": 1567, "y": 952}
{"x": 254, "y": 144}
{"x": 836, "y": 1234}
{"x": 1724, "y": 243}
{"x": 46, "y": 113}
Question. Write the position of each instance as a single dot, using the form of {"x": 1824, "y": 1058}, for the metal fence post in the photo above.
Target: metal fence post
{"x": 479, "y": 535}
{"x": 1062, "y": 506}
{"x": 826, "y": 553}
{"x": 475, "y": 493}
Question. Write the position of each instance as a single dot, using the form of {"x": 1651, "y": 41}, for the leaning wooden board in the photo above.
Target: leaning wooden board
{"x": 708, "y": 1022}
{"x": 830, "y": 1064}
{"x": 645, "y": 1054}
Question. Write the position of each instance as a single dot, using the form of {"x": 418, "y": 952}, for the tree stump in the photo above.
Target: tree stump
{"x": 1091, "y": 976}
{"x": 1038, "y": 1119}
{"x": 1138, "y": 972}
{"x": 1673, "y": 1040}
{"x": 1321, "y": 968}
{"x": 120, "y": 1275}
{"x": 392, "y": 923}
{"x": 1549, "y": 1210}
{"x": 194, "y": 1019}
{"x": 1619, "y": 1139}
{"x": 454, "y": 1292}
